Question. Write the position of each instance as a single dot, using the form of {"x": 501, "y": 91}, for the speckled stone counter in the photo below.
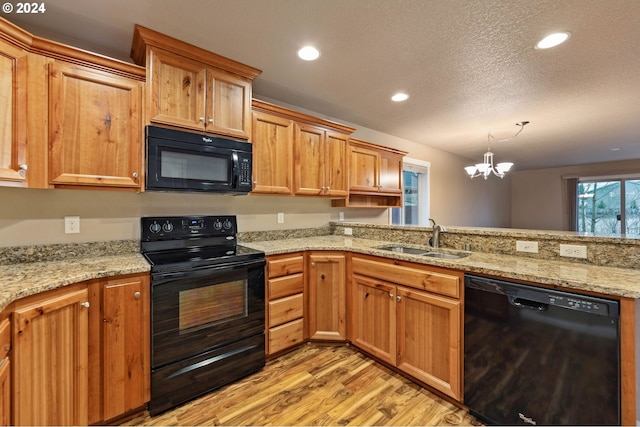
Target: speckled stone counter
{"x": 30, "y": 270}
{"x": 570, "y": 275}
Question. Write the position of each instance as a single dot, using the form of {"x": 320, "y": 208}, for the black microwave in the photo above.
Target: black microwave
{"x": 192, "y": 162}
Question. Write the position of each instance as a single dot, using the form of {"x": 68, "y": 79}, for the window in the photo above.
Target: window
{"x": 415, "y": 186}
{"x": 608, "y": 206}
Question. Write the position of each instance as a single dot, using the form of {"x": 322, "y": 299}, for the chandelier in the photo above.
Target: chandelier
{"x": 486, "y": 168}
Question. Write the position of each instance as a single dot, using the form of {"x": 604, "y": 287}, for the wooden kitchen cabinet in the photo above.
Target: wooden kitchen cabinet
{"x": 50, "y": 355}
{"x": 321, "y": 162}
{"x": 285, "y": 302}
{"x": 13, "y": 111}
{"x": 428, "y": 318}
{"x": 192, "y": 88}
{"x": 125, "y": 344}
{"x": 95, "y": 136}
{"x": 327, "y": 296}
{"x": 5, "y": 373}
{"x": 272, "y": 154}
{"x": 283, "y": 138}
{"x": 375, "y": 176}
{"x": 374, "y": 317}
{"x": 430, "y": 339}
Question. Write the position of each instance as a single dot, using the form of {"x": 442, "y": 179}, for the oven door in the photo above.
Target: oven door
{"x": 203, "y": 309}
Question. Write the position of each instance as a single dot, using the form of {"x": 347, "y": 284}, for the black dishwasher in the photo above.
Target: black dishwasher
{"x": 540, "y": 356}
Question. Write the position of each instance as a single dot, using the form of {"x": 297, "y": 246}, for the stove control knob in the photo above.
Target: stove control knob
{"x": 227, "y": 224}
{"x": 155, "y": 227}
{"x": 217, "y": 224}
{"x": 168, "y": 227}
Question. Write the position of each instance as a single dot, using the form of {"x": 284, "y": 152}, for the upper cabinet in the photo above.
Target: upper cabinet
{"x": 95, "y": 135}
{"x": 298, "y": 154}
{"x": 13, "y": 113}
{"x": 189, "y": 87}
{"x": 375, "y": 176}
{"x": 70, "y": 118}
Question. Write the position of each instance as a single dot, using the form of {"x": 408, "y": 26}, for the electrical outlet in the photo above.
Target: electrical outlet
{"x": 526, "y": 246}
{"x": 573, "y": 251}
{"x": 348, "y": 231}
{"x": 280, "y": 218}
{"x": 341, "y": 216}
{"x": 71, "y": 224}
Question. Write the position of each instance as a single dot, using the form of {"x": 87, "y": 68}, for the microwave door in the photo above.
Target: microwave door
{"x": 174, "y": 167}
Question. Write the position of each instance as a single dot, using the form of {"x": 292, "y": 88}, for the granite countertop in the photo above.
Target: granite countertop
{"x": 19, "y": 280}
{"x": 570, "y": 275}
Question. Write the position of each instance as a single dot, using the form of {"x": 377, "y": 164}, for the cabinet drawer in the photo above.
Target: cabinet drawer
{"x": 285, "y": 286}
{"x": 285, "y": 336}
{"x": 285, "y": 309}
{"x": 415, "y": 276}
{"x": 285, "y": 266}
{"x": 5, "y": 338}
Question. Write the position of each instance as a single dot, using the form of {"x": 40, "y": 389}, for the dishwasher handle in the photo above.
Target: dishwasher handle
{"x": 526, "y": 303}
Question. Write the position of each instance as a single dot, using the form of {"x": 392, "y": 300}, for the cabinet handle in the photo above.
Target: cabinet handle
{"x": 23, "y": 169}
{"x": 211, "y": 121}
{"x": 322, "y": 277}
{"x": 135, "y": 175}
{"x": 85, "y": 304}
{"x": 202, "y": 119}
{"x": 366, "y": 295}
{"x": 398, "y": 298}
{"x": 136, "y": 295}
{"x": 390, "y": 295}
{"x": 313, "y": 264}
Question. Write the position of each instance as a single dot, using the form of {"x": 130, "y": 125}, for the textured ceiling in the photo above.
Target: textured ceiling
{"x": 469, "y": 66}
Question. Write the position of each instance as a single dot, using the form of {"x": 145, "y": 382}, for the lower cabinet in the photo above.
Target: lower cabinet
{"x": 5, "y": 373}
{"x": 327, "y": 296}
{"x": 285, "y": 302}
{"x": 122, "y": 326}
{"x": 50, "y": 354}
{"x": 81, "y": 353}
{"x": 410, "y": 315}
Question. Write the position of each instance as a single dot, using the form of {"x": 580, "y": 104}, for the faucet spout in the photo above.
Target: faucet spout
{"x": 437, "y": 229}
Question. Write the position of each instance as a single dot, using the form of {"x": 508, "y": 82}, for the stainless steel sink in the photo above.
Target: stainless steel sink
{"x": 424, "y": 252}
{"x": 444, "y": 255}
{"x": 404, "y": 250}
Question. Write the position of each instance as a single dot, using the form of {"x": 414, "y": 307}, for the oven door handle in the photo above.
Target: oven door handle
{"x": 160, "y": 278}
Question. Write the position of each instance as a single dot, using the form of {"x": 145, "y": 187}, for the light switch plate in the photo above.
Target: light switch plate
{"x": 280, "y": 217}
{"x": 526, "y": 246}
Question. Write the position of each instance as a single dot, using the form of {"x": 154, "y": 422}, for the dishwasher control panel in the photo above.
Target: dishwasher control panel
{"x": 578, "y": 304}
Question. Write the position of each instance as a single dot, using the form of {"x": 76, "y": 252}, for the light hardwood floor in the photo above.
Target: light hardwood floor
{"x": 317, "y": 385}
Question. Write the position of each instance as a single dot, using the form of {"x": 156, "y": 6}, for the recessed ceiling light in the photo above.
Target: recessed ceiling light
{"x": 309, "y": 53}
{"x": 553, "y": 40}
{"x": 615, "y": 149}
{"x": 399, "y": 97}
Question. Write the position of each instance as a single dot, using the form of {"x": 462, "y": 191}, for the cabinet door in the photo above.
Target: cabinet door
{"x": 308, "y": 157}
{"x": 390, "y": 173}
{"x": 177, "y": 90}
{"x": 429, "y": 343}
{"x": 272, "y": 154}
{"x": 336, "y": 176}
{"x": 50, "y": 344}
{"x": 228, "y": 104}
{"x": 5, "y": 392}
{"x": 363, "y": 170}
{"x": 374, "y": 317}
{"x": 327, "y": 297}
{"x": 13, "y": 115}
{"x": 126, "y": 345}
{"x": 94, "y": 130}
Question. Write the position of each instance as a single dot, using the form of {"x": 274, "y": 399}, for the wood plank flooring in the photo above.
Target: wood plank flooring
{"x": 317, "y": 385}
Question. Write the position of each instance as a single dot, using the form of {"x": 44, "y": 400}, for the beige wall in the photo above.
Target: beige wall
{"x": 537, "y": 197}
{"x": 30, "y": 216}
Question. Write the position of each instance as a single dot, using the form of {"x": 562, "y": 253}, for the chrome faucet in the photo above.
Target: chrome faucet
{"x": 437, "y": 229}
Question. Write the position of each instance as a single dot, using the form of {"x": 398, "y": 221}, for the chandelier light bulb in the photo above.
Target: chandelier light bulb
{"x": 487, "y": 168}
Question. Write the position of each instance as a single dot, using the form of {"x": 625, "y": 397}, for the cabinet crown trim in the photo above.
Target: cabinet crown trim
{"x": 266, "y": 107}
{"x": 144, "y": 37}
{"x": 365, "y": 144}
